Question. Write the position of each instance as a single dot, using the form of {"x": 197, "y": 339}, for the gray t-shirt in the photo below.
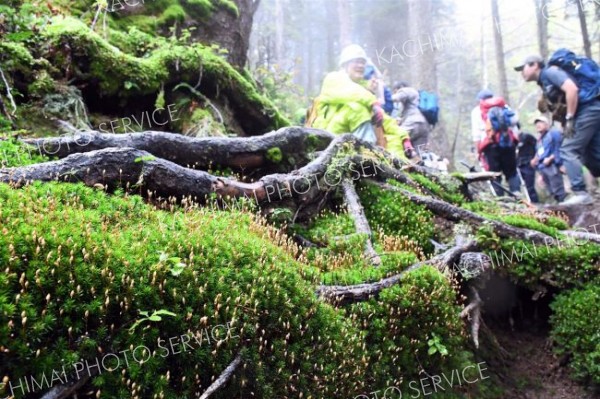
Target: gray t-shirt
{"x": 551, "y": 80}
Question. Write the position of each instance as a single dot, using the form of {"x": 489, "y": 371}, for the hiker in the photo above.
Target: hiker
{"x": 346, "y": 105}
{"x": 571, "y": 90}
{"x": 525, "y": 153}
{"x": 411, "y": 117}
{"x": 500, "y": 142}
{"x": 547, "y": 159}
{"x": 478, "y": 126}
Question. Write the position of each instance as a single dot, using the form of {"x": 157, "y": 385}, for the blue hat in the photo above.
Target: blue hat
{"x": 485, "y": 94}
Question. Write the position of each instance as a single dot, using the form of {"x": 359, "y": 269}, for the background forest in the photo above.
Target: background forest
{"x": 453, "y": 47}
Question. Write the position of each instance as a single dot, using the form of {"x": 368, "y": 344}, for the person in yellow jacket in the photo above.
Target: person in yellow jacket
{"x": 345, "y": 105}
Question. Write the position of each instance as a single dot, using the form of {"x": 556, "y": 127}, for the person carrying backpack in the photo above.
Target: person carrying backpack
{"x": 500, "y": 142}
{"x": 547, "y": 159}
{"x": 411, "y": 118}
{"x": 571, "y": 90}
{"x": 526, "y": 150}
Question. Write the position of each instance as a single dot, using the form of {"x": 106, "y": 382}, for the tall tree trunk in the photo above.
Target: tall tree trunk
{"x": 542, "y": 27}
{"x": 345, "y": 19}
{"x": 414, "y": 12}
{"x": 484, "y": 59}
{"x": 332, "y": 18}
{"x": 587, "y": 47}
{"x": 279, "y": 56}
{"x": 499, "y": 51}
{"x": 230, "y": 31}
{"x": 423, "y": 71}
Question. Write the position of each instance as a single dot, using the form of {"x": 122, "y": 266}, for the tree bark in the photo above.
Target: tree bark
{"x": 229, "y": 31}
{"x": 345, "y": 22}
{"x": 584, "y": 30}
{"x": 499, "y": 45}
{"x": 199, "y": 153}
{"x": 542, "y": 27}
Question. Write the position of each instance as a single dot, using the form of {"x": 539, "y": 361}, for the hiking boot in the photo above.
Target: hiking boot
{"x": 579, "y": 198}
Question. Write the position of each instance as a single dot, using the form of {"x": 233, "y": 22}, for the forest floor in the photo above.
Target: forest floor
{"x": 534, "y": 372}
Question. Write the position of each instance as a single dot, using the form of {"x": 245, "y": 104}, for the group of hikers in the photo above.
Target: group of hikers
{"x": 355, "y": 100}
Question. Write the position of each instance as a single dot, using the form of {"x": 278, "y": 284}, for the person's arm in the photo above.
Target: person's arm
{"x": 400, "y": 97}
{"x": 572, "y": 96}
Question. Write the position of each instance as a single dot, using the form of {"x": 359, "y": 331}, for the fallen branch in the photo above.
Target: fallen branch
{"x": 361, "y": 223}
{"x": 223, "y": 378}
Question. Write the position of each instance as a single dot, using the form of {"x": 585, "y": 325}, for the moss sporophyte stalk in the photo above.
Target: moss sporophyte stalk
{"x": 112, "y": 362}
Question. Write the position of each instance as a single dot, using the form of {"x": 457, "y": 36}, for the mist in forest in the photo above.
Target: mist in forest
{"x": 451, "y": 47}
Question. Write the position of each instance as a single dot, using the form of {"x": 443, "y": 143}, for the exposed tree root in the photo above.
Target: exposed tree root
{"x": 200, "y": 153}
{"x": 223, "y": 378}
{"x": 362, "y": 292}
{"x": 361, "y": 223}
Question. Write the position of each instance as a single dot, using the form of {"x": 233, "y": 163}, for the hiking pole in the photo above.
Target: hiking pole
{"x": 524, "y": 185}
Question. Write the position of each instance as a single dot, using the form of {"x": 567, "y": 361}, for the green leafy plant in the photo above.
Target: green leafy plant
{"x": 436, "y": 346}
{"x": 155, "y": 316}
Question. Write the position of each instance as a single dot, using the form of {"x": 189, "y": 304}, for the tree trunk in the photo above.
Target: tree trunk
{"x": 587, "y": 47}
{"x": 230, "y": 31}
{"x": 345, "y": 19}
{"x": 279, "y": 52}
{"x": 500, "y": 52}
{"x": 542, "y": 27}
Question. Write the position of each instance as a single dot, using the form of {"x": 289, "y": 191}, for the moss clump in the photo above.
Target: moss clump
{"x": 13, "y": 153}
{"x": 72, "y": 291}
{"x": 274, "y": 155}
{"x": 575, "y": 330}
{"x": 422, "y": 308}
{"x": 563, "y": 263}
{"x": 396, "y": 215}
{"x": 446, "y": 193}
{"x": 120, "y": 73}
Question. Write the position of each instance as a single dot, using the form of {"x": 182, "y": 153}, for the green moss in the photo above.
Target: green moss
{"x": 563, "y": 262}
{"x": 421, "y": 308}
{"x": 74, "y": 290}
{"x": 230, "y": 6}
{"x": 175, "y": 13}
{"x": 274, "y": 154}
{"x": 122, "y": 74}
{"x": 442, "y": 192}
{"x": 396, "y": 215}
{"x": 199, "y": 9}
{"x": 14, "y": 153}
{"x": 575, "y": 331}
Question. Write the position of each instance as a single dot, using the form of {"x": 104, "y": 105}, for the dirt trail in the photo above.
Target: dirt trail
{"x": 534, "y": 369}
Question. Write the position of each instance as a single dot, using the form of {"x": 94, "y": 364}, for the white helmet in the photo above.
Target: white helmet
{"x": 352, "y": 52}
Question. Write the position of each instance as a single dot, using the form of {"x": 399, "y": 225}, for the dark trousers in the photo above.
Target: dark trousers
{"x": 528, "y": 175}
{"x": 554, "y": 182}
{"x": 503, "y": 159}
{"x": 584, "y": 146}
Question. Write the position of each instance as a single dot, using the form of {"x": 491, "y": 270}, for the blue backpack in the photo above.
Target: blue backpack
{"x": 501, "y": 119}
{"x": 584, "y": 71}
{"x": 388, "y": 106}
{"x": 429, "y": 106}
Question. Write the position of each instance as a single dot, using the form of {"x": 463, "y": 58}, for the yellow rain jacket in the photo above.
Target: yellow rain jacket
{"x": 343, "y": 105}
